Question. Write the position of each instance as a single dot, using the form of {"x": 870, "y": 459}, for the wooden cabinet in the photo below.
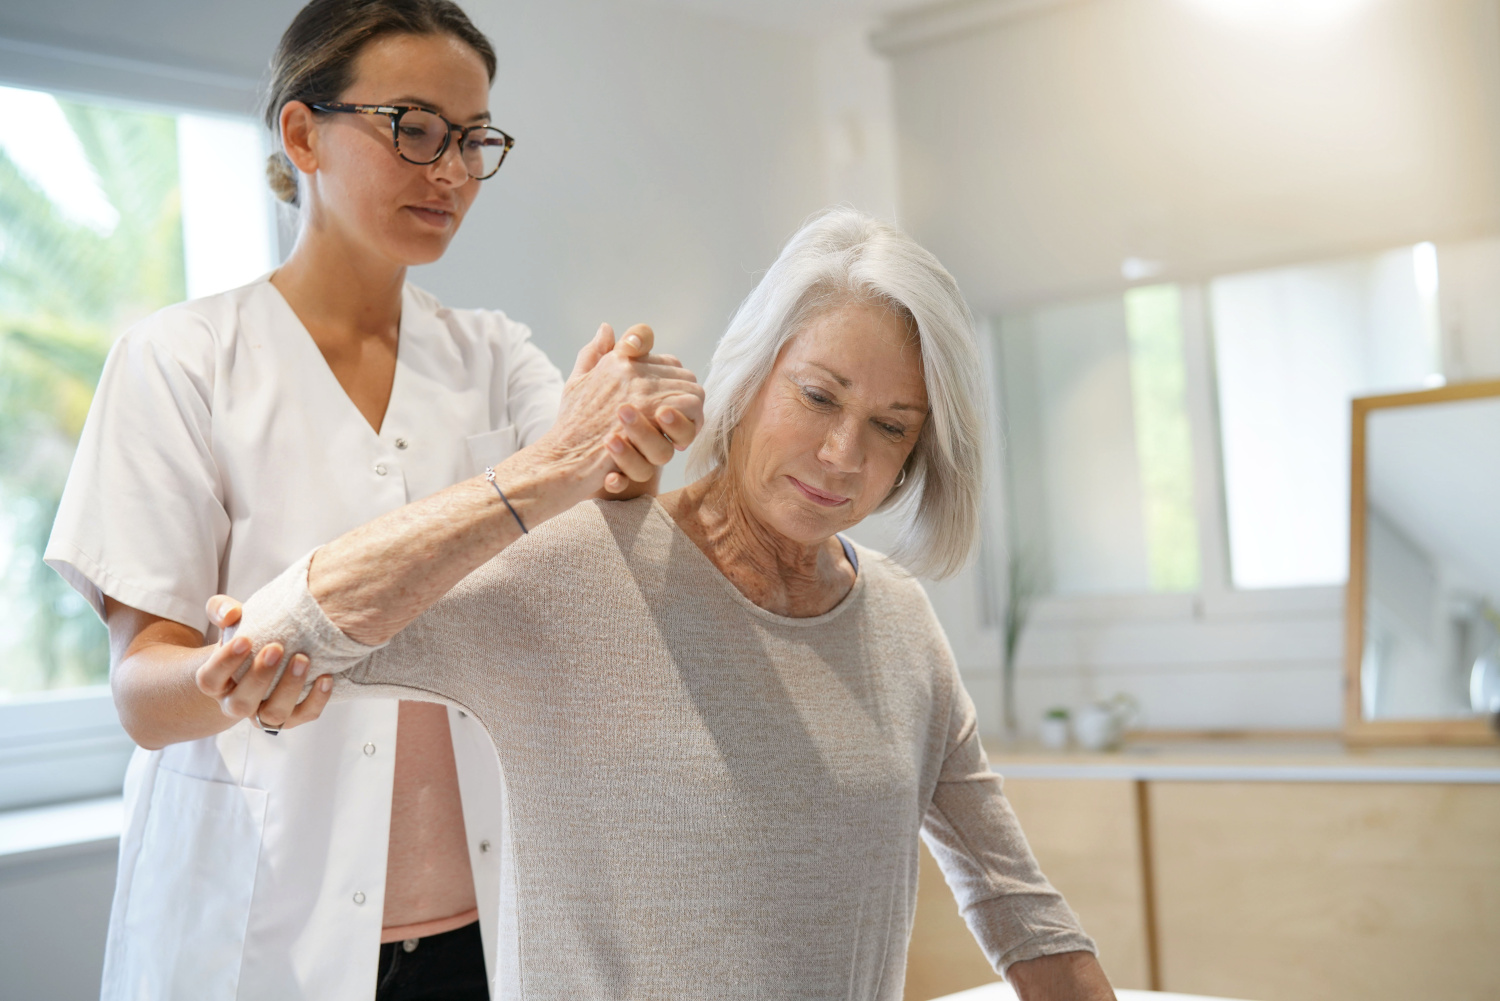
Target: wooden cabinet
{"x": 1279, "y": 891}
{"x": 1293, "y": 891}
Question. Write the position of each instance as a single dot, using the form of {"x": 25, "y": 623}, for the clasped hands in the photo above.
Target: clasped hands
{"x": 641, "y": 408}
{"x": 624, "y": 413}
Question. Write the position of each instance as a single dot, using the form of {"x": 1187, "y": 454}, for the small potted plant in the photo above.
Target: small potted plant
{"x": 1055, "y": 728}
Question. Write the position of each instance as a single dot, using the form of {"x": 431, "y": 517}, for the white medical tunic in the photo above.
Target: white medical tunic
{"x": 220, "y": 448}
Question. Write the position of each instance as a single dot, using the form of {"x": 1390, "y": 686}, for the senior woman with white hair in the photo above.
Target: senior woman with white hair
{"x": 722, "y": 726}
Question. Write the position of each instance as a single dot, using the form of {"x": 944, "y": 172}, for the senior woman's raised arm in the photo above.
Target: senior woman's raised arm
{"x": 376, "y": 579}
{"x": 1024, "y": 926}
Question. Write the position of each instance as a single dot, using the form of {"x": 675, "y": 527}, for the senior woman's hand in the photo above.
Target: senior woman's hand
{"x": 641, "y": 407}
{"x": 1066, "y": 976}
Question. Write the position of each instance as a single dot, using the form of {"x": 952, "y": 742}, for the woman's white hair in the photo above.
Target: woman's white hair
{"x": 844, "y": 256}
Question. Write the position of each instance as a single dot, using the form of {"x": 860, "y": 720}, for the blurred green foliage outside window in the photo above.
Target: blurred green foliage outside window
{"x": 1163, "y": 435}
{"x": 70, "y": 282}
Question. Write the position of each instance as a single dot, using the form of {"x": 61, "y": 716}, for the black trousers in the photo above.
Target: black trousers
{"x": 446, "y": 967}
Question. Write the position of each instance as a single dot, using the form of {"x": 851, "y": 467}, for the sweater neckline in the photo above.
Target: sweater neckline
{"x": 728, "y": 585}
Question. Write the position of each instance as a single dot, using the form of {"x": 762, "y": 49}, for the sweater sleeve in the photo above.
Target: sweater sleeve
{"x": 432, "y": 659}
{"x": 1014, "y": 913}
{"x": 284, "y": 611}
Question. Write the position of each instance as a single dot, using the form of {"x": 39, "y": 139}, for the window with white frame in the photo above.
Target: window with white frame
{"x": 108, "y": 212}
{"x": 1099, "y": 444}
{"x": 1293, "y": 347}
{"x": 1098, "y": 427}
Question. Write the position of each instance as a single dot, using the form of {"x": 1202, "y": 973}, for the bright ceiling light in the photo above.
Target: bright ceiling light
{"x": 1282, "y": 13}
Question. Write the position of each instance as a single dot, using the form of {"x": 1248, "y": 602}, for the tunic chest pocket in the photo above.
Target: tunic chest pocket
{"x": 491, "y": 448}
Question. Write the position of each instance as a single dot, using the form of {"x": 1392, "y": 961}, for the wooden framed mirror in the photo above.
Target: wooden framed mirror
{"x": 1422, "y": 645}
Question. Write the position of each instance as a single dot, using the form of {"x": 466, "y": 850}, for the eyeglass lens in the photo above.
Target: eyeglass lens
{"x": 420, "y": 136}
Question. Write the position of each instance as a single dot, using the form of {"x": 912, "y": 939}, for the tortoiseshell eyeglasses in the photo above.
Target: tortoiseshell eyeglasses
{"x": 421, "y": 136}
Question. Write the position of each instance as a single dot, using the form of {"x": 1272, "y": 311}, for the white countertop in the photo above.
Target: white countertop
{"x": 1253, "y": 761}
{"x": 1004, "y": 992}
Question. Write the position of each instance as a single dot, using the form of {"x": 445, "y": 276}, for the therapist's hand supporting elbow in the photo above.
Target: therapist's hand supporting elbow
{"x": 191, "y": 685}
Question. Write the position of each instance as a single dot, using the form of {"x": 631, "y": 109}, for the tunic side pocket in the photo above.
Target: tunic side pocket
{"x": 190, "y": 897}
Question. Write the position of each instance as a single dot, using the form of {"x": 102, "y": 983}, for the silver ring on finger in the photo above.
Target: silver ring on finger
{"x": 272, "y": 730}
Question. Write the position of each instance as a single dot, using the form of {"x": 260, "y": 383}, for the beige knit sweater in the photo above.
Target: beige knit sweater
{"x": 704, "y": 799}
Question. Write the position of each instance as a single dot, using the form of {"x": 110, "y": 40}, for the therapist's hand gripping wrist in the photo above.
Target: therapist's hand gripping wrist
{"x": 254, "y": 692}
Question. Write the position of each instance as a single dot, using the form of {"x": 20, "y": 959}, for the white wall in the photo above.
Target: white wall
{"x": 172, "y": 52}
{"x": 661, "y": 159}
{"x": 858, "y": 117}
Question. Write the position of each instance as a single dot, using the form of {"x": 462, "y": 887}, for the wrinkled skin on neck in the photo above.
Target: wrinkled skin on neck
{"x": 819, "y": 448}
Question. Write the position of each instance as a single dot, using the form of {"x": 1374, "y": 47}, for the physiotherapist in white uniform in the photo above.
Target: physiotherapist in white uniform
{"x": 231, "y": 435}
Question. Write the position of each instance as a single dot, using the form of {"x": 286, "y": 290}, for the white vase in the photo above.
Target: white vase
{"x": 1100, "y": 726}
{"x": 1097, "y": 728}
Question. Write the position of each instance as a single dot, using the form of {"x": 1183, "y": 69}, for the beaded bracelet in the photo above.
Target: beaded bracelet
{"x": 489, "y": 474}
